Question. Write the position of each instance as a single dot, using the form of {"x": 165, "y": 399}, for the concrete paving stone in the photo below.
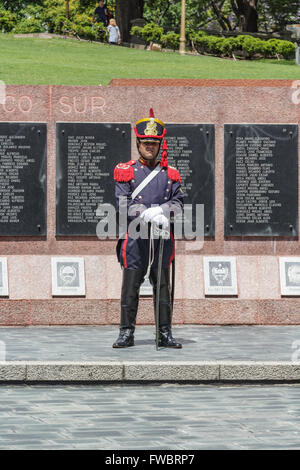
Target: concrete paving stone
{"x": 260, "y": 371}
{"x": 70, "y": 371}
{"x": 24, "y": 445}
{"x": 170, "y": 371}
{"x": 40, "y": 446}
{"x": 12, "y": 371}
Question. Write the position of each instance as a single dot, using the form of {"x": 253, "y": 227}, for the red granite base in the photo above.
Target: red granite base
{"x": 208, "y": 311}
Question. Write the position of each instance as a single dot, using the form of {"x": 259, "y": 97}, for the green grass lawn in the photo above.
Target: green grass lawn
{"x": 66, "y": 62}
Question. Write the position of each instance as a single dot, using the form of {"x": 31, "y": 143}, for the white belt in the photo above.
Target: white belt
{"x": 146, "y": 181}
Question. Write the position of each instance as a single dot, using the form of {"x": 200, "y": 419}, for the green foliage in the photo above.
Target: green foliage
{"x": 273, "y": 15}
{"x": 136, "y": 31}
{"x": 162, "y": 16}
{"x": 166, "y": 13}
{"x": 29, "y": 25}
{"x": 152, "y": 32}
{"x": 201, "y": 43}
{"x": 50, "y": 15}
{"x": 245, "y": 45}
{"x": 253, "y": 46}
{"x": 149, "y": 33}
{"x": 230, "y": 45}
{"x": 7, "y": 20}
{"x": 215, "y": 44}
{"x": 171, "y": 40}
{"x": 286, "y": 49}
{"x": 32, "y": 20}
{"x": 276, "y": 14}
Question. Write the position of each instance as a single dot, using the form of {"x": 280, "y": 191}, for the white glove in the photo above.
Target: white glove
{"x": 162, "y": 220}
{"x": 148, "y": 214}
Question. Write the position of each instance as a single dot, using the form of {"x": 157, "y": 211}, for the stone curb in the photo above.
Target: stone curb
{"x": 149, "y": 371}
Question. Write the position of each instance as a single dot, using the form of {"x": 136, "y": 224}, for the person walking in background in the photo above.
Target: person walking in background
{"x": 113, "y": 31}
{"x": 100, "y": 14}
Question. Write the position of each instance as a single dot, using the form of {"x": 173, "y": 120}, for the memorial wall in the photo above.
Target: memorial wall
{"x": 236, "y": 145}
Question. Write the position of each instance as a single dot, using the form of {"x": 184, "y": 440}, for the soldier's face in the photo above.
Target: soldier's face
{"x": 149, "y": 150}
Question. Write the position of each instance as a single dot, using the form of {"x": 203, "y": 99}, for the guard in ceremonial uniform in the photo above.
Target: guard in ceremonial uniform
{"x": 149, "y": 188}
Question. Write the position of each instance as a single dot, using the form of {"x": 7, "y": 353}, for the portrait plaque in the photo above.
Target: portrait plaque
{"x": 261, "y": 180}
{"x": 86, "y": 156}
{"x": 23, "y": 154}
{"x": 289, "y": 275}
{"x": 3, "y": 277}
{"x": 67, "y": 276}
{"x": 220, "y": 275}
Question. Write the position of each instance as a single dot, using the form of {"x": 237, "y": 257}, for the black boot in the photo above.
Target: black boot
{"x": 125, "y": 338}
{"x": 166, "y": 339}
{"x": 165, "y": 309}
{"x": 132, "y": 279}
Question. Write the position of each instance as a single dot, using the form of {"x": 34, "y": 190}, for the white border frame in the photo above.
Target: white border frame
{"x": 68, "y": 291}
{"x": 222, "y": 290}
{"x": 4, "y": 288}
{"x": 286, "y": 290}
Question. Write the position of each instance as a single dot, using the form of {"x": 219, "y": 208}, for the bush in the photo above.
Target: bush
{"x": 171, "y": 40}
{"x": 29, "y": 25}
{"x": 7, "y": 20}
{"x": 137, "y": 31}
{"x": 229, "y": 45}
{"x": 247, "y": 45}
{"x": 201, "y": 43}
{"x": 253, "y": 46}
{"x": 151, "y": 32}
{"x": 287, "y": 49}
{"x": 215, "y": 44}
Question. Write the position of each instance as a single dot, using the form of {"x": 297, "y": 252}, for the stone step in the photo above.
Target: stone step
{"x": 150, "y": 371}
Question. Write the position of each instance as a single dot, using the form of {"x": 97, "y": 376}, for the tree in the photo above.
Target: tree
{"x": 125, "y": 12}
{"x": 276, "y": 14}
{"x": 68, "y": 9}
{"x": 16, "y": 5}
{"x": 246, "y": 12}
{"x": 221, "y": 16}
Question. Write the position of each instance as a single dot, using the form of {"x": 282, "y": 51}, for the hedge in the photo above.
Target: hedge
{"x": 243, "y": 45}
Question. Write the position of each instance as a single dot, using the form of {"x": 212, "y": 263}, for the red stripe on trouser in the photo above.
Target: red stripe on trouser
{"x": 173, "y": 252}
{"x": 124, "y": 251}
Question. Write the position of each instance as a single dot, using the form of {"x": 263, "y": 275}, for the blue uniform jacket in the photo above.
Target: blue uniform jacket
{"x": 163, "y": 190}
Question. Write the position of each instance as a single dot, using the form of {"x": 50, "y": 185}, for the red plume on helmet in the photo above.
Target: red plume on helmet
{"x": 164, "y": 161}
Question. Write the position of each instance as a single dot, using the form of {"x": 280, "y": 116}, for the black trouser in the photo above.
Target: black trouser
{"x": 132, "y": 280}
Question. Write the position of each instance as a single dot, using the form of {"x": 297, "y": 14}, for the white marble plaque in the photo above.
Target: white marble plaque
{"x": 3, "y": 277}
{"x": 68, "y": 276}
{"x": 290, "y": 276}
{"x": 220, "y": 275}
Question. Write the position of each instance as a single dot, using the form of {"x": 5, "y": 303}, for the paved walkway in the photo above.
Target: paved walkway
{"x": 216, "y": 353}
{"x": 174, "y": 417}
{"x": 200, "y": 343}
{"x": 133, "y": 416}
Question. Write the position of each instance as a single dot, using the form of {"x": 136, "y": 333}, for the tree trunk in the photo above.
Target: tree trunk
{"x": 125, "y": 12}
{"x": 246, "y": 12}
{"x": 68, "y": 9}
